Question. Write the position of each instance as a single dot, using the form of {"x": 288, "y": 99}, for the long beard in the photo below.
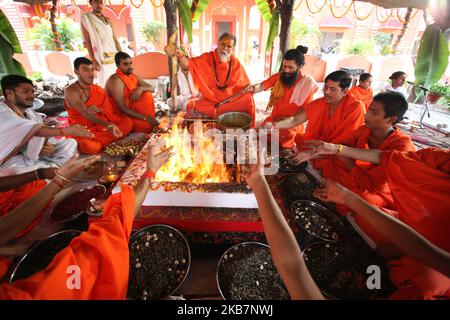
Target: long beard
{"x": 288, "y": 78}
{"x": 223, "y": 57}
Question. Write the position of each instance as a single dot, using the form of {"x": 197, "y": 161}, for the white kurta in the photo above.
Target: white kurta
{"x": 103, "y": 45}
{"x": 14, "y": 131}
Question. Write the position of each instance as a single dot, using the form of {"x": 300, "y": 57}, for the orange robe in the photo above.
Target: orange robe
{"x": 102, "y": 137}
{"x": 367, "y": 180}
{"x": 284, "y": 108}
{"x": 420, "y": 184}
{"x": 101, "y": 253}
{"x": 145, "y": 105}
{"x": 363, "y": 95}
{"x": 202, "y": 71}
{"x": 11, "y": 199}
{"x": 337, "y": 128}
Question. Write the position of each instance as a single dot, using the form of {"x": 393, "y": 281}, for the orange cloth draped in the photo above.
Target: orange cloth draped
{"x": 337, "y": 128}
{"x": 145, "y": 105}
{"x": 102, "y": 137}
{"x": 420, "y": 184}
{"x": 363, "y": 95}
{"x": 202, "y": 71}
{"x": 284, "y": 108}
{"x": 101, "y": 253}
{"x": 11, "y": 199}
{"x": 367, "y": 180}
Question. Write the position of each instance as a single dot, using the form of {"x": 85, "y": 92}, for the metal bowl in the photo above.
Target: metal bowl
{"x": 137, "y": 234}
{"x": 230, "y": 251}
{"x": 325, "y": 292}
{"x": 234, "y": 120}
{"x": 69, "y": 194}
{"x": 329, "y": 216}
{"x": 28, "y": 257}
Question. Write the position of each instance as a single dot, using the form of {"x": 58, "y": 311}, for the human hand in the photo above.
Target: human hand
{"x": 47, "y": 150}
{"x": 332, "y": 192}
{"x": 155, "y": 159}
{"x": 114, "y": 130}
{"x": 321, "y": 147}
{"x": 73, "y": 167}
{"x": 77, "y": 131}
{"x": 136, "y": 94}
{"x": 93, "y": 110}
{"x": 254, "y": 173}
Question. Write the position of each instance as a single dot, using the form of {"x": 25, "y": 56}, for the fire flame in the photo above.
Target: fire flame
{"x": 197, "y": 158}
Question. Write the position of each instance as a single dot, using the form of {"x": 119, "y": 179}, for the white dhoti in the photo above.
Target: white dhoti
{"x": 20, "y": 148}
{"x": 103, "y": 45}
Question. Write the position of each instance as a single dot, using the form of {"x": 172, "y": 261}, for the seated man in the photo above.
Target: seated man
{"x": 379, "y": 132}
{"x": 363, "y": 92}
{"x": 101, "y": 254}
{"x": 88, "y": 104}
{"x": 131, "y": 95}
{"x": 24, "y": 139}
{"x": 218, "y": 75}
{"x": 332, "y": 118}
{"x": 419, "y": 182}
{"x": 290, "y": 92}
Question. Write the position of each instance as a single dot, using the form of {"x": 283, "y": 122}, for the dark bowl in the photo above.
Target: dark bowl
{"x": 39, "y": 256}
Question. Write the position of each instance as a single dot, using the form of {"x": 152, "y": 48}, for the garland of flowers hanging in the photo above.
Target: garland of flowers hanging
{"x": 345, "y": 13}
{"x": 321, "y": 8}
{"x": 356, "y": 14}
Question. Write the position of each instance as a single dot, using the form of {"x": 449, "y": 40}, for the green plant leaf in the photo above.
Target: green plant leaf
{"x": 184, "y": 10}
{"x": 201, "y": 7}
{"x": 264, "y": 9}
{"x": 432, "y": 58}
{"x": 8, "y": 34}
{"x": 9, "y": 44}
{"x": 273, "y": 30}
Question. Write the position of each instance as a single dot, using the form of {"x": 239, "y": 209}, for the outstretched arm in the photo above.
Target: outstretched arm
{"x": 285, "y": 250}
{"x": 19, "y": 218}
{"x": 405, "y": 238}
{"x": 290, "y": 122}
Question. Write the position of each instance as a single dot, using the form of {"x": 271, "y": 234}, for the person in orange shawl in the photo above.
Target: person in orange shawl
{"x": 291, "y": 90}
{"x": 363, "y": 91}
{"x": 131, "y": 95}
{"x": 419, "y": 182}
{"x": 332, "y": 118}
{"x": 367, "y": 180}
{"x": 88, "y": 104}
{"x": 218, "y": 75}
{"x": 101, "y": 254}
{"x": 15, "y": 190}
{"x": 379, "y": 132}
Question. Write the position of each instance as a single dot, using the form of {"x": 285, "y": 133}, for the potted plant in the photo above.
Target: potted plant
{"x": 437, "y": 91}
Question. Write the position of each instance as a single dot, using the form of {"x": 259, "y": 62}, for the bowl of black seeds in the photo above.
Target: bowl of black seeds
{"x": 246, "y": 272}
{"x": 41, "y": 254}
{"x": 160, "y": 259}
{"x": 338, "y": 272}
{"x": 317, "y": 220}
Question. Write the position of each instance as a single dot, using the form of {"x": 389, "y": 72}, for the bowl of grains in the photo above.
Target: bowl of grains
{"x": 339, "y": 272}
{"x": 246, "y": 272}
{"x": 160, "y": 259}
{"x": 317, "y": 220}
{"x": 75, "y": 203}
{"x": 41, "y": 254}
